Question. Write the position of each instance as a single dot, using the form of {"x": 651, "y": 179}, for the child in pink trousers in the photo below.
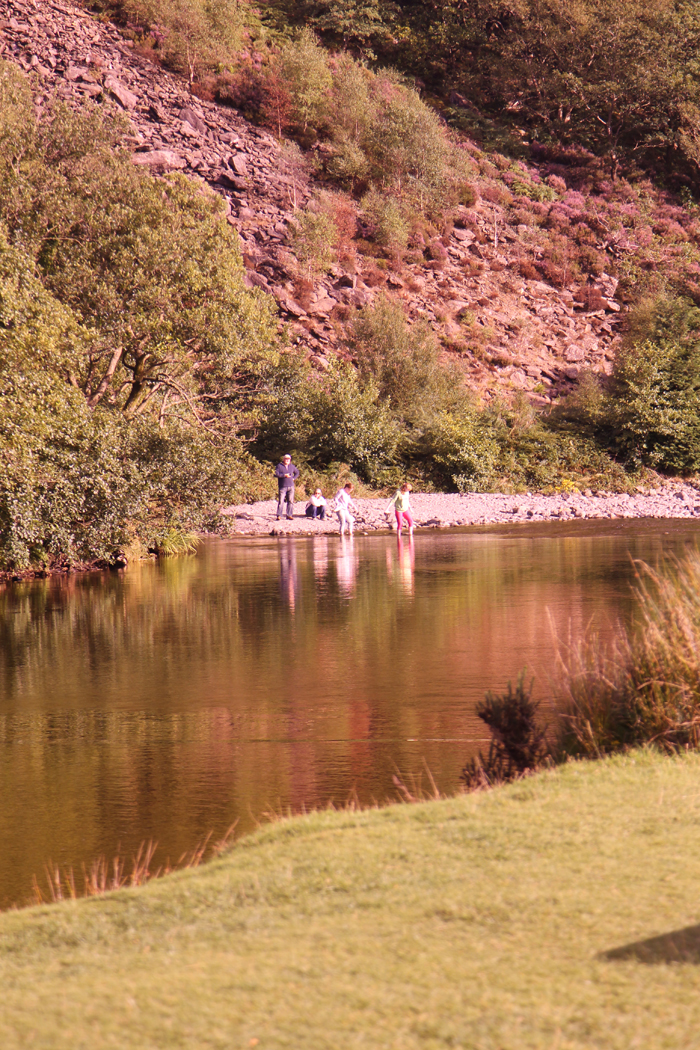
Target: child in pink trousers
{"x": 400, "y": 503}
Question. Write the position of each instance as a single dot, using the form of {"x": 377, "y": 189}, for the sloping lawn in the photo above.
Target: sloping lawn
{"x": 474, "y": 922}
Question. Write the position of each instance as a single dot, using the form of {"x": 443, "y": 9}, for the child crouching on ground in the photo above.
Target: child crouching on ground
{"x": 316, "y": 507}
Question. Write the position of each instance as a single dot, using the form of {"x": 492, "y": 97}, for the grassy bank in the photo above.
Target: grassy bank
{"x": 471, "y": 922}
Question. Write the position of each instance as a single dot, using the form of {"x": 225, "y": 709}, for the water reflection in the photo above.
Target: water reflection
{"x": 346, "y": 565}
{"x": 407, "y": 561}
{"x": 270, "y": 673}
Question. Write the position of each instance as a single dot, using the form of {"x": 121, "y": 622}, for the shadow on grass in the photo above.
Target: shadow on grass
{"x": 681, "y": 946}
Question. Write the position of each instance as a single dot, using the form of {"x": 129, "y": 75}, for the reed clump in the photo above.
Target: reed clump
{"x": 103, "y": 875}
{"x": 644, "y": 688}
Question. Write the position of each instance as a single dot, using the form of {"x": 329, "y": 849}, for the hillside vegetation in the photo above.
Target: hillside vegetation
{"x": 481, "y": 920}
{"x": 143, "y": 382}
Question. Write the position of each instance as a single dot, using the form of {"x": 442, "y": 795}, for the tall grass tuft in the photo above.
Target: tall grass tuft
{"x": 103, "y": 876}
{"x": 645, "y": 687}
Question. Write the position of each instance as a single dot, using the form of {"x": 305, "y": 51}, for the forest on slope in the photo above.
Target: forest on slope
{"x": 143, "y": 383}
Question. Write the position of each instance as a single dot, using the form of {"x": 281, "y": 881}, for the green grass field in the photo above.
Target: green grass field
{"x": 473, "y": 922}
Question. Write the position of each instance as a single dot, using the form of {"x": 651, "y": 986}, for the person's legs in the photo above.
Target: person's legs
{"x": 322, "y": 512}
{"x": 351, "y": 523}
{"x": 409, "y": 520}
{"x": 290, "y": 502}
{"x": 341, "y": 519}
{"x": 310, "y": 511}
{"x": 399, "y": 522}
{"x": 280, "y": 503}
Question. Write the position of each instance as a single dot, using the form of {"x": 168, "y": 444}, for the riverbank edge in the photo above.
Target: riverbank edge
{"x": 434, "y": 510}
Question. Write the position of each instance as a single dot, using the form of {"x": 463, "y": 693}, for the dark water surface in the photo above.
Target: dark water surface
{"x": 266, "y": 673}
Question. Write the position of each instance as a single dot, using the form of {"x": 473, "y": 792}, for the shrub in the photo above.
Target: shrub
{"x": 518, "y": 743}
{"x": 329, "y": 418}
{"x": 190, "y": 35}
{"x": 404, "y": 363}
{"x": 387, "y": 220}
{"x": 651, "y": 413}
{"x": 314, "y": 236}
{"x": 463, "y": 450}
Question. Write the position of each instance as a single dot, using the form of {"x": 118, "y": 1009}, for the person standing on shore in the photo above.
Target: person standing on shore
{"x": 344, "y": 505}
{"x": 400, "y": 503}
{"x": 286, "y": 474}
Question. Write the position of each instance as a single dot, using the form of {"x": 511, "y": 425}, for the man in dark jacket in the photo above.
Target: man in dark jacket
{"x": 286, "y": 474}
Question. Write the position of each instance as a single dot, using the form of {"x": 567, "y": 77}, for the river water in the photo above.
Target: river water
{"x": 266, "y": 675}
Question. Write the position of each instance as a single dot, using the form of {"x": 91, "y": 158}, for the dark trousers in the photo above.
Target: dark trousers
{"x": 286, "y": 496}
{"x": 316, "y": 512}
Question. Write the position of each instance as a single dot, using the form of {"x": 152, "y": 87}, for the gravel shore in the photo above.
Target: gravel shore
{"x": 451, "y": 510}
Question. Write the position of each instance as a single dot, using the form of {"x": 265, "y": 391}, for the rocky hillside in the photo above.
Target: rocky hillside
{"x": 510, "y": 330}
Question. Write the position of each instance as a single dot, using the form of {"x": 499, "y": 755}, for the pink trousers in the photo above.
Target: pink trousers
{"x": 404, "y": 514}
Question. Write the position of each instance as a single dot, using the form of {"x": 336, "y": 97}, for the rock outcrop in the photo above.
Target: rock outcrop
{"x": 520, "y": 334}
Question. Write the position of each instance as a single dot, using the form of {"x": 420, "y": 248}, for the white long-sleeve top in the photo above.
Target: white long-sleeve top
{"x": 343, "y": 500}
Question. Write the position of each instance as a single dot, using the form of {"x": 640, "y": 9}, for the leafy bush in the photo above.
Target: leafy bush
{"x": 314, "y": 236}
{"x": 304, "y": 67}
{"x": 333, "y": 418}
{"x": 387, "y": 221}
{"x": 191, "y": 36}
{"x": 404, "y": 362}
{"x": 649, "y": 413}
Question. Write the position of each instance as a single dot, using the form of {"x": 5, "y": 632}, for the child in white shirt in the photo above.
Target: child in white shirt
{"x": 343, "y": 503}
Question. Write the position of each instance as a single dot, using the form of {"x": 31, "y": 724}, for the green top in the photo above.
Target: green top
{"x": 399, "y": 501}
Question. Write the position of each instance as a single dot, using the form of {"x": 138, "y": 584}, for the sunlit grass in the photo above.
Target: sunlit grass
{"x": 473, "y": 922}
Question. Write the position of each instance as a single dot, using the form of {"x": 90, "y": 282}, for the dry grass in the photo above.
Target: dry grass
{"x": 104, "y": 876}
{"x": 645, "y": 686}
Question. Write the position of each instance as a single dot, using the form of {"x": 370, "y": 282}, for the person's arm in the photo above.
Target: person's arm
{"x": 294, "y": 472}
{"x": 391, "y": 504}
{"x": 280, "y": 470}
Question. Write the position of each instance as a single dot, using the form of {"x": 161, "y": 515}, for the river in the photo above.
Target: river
{"x": 269, "y": 674}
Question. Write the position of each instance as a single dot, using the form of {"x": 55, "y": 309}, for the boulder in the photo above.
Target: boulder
{"x": 237, "y": 163}
{"x": 126, "y": 99}
{"x": 188, "y": 115}
{"x": 159, "y": 160}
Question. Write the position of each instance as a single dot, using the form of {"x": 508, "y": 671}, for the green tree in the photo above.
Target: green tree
{"x": 304, "y": 66}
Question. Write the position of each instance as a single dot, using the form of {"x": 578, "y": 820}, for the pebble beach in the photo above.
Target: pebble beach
{"x": 455, "y": 510}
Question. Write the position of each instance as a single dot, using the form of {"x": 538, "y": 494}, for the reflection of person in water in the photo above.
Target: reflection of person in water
{"x": 316, "y": 507}
{"x": 346, "y": 566}
{"x": 407, "y": 560}
{"x": 288, "y": 572}
{"x": 320, "y": 556}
